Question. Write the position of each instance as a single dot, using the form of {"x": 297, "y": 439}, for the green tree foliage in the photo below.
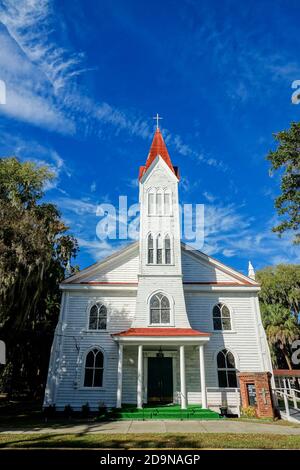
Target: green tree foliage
{"x": 34, "y": 252}
{"x": 280, "y": 308}
{"x": 287, "y": 159}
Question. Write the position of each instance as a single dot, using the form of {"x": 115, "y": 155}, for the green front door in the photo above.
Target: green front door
{"x": 160, "y": 380}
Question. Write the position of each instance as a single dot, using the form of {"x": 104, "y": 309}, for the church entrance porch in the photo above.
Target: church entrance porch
{"x": 160, "y": 380}
{"x": 160, "y": 352}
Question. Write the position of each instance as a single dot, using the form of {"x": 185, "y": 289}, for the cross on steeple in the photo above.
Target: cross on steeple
{"x": 157, "y": 117}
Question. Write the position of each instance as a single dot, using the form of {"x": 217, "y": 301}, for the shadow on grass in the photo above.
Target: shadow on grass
{"x": 147, "y": 441}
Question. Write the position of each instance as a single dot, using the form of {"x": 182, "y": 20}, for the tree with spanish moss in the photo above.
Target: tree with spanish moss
{"x": 35, "y": 249}
{"x": 280, "y": 307}
{"x": 286, "y": 160}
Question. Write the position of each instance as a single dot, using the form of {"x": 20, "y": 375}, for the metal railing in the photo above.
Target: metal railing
{"x": 288, "y": 401}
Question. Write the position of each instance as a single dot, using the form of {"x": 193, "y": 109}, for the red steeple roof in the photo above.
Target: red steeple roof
{"x": 158, "y": 147}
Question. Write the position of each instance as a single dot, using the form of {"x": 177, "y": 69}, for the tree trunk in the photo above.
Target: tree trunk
{"x": 287, "y": 358}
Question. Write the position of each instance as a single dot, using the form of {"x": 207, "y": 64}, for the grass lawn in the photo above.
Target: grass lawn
{"x": 147, "y": 441}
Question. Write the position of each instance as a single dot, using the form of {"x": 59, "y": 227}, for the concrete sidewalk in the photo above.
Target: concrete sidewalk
{"x": 140, "y": 427}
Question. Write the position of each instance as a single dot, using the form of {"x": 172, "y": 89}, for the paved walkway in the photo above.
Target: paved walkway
{"x": 129, "y": 427}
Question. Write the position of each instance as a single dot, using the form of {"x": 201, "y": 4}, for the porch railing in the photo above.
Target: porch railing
{"x": 288, "y": 402}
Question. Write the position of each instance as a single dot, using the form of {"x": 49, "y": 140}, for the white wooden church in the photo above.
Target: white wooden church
{"x": 156, "y": 322}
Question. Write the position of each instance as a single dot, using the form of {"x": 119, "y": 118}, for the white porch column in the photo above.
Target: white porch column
{"x": 182, "y": 379}
{"x": 140, "y": 377}
{"x": 120, "y": 374}
{"x": 202, "y": 377}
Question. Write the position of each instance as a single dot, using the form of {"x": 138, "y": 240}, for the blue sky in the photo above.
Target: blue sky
{"x": 84, "y": 79}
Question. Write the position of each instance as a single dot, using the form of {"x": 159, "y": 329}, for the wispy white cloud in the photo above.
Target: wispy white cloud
{"x": 98, "y": 249}
{"x": 28, "y": 97}
{"x": 29, "y": 23}
{"x": 230, "y": 232}
{"x": 41, "y": 154}
{"x": 43, "y": 90}
{"x": 77, "y": 206}
{"x": 209, "y": 197}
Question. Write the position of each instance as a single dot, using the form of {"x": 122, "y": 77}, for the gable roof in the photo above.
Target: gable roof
{"x": 121, "y": 268}
{"x": 158, "y": 147}
{"x": 104, "y": 265}
{"x": 230, "y": 275}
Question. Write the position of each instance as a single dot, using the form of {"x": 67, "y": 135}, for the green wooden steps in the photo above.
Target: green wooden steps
{"x": 129, "y": 412}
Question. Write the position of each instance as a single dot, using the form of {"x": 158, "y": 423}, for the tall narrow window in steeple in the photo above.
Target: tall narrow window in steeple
{"x": 167, "y": 250}
{"x": 167, "y": 203}
{"x": 150, "y": 249}
{"x": 159, "y": 203}
{"x": 151, "y": 203}
{"x": 159, "y": 249}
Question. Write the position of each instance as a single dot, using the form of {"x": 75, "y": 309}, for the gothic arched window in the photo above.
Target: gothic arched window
{"x": 150, "y": 249}
{"x": 167, "y": 203}
{"x": 226, "y": 369}
{"x": 221, "y": 317}
{"x": 151, "y": 202}
{"x": 159, "y": 309}
{"x": 159, "y": 202}
{"x": 93, "y": 370}
{"x": 98, "y": 317}
{"x": 167, "y": 249}
{"x": 159, "y": 249}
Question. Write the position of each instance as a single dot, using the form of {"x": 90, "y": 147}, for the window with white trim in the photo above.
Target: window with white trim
{"x": 167, "y": 203}
{"x": 221, "y": 317}
{"x": 226, "y": 369}
{"x": 159, "y": 203}
{"x": 167, "y": 249}
{"x": 94, "y": 367}
{"x": 150, "y": 249}
{"x": 151, "y": 203}
{"x": 98, "y": 317}
{"x": 160, "y": 312}
{"x": 159, "y": 249}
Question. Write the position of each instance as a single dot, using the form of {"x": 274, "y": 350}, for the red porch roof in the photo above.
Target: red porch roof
{"x": 161, "y": 332}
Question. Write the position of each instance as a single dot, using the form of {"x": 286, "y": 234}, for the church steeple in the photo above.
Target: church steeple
{"x": 160, "y": 267}
{"x": 158, "y": 147}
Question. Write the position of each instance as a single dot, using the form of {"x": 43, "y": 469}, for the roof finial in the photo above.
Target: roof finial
{"x": 157, "y": 117}
{"x": 251, "y": 272}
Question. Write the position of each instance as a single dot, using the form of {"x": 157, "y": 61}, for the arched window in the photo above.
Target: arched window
{"x": 159, "y": 249}
{"x": 151, "y": 202}
{"x": 221, "y": 317}
{"x": 98, "y": 317}
{"x": 226, "y": 369}
{"x": 93, "y": 371}
{"x": 167, "y": 202}
{"x": 159, "y": 202}
{"x": 159, "y": 309}
{"x": 167, "y": 249}
{"x": 150, "y": 249}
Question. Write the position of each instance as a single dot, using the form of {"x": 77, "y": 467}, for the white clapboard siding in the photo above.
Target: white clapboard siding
{"x": 229, "y": 397}
{"x": 76, "y": 341}
{"x": 129, "y": 389}
{"x": 242, "y": 340}
{"x": 124, "y": 272}
{"x": 172, "y": 286}
{"x": 197, "y": 270}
